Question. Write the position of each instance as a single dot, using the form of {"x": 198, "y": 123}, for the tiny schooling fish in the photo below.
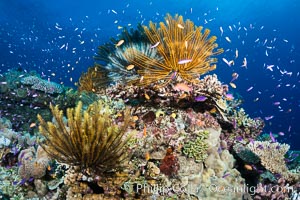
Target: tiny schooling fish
{"x": 155, "y": 45}
{"x": 272, "y": 137}
{"x": 120, "y": 43}
{"x": 201, "y": 98}
{"x": 184, "y": 61}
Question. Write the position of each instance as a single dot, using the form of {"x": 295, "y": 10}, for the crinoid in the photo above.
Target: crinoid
{"x": 186, "y": 52}
{"x": 94, "y": 79}
{"x": 113, "y": 53}
{"x": 90, "y": 139}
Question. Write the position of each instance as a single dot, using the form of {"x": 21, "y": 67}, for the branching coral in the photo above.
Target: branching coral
{"x": 272, "y": 157}
{"x": 186, "y": 52}
{"x": 89, "y": 140}
{"x": 243, "y": 119}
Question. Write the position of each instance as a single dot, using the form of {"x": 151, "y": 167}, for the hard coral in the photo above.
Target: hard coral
{"x": 242, "y": 128}
{"x": 42, "y": 85}
{"x": 197, "y": 148}
{"x": 211, "y": 86}
{"x": 271, "y": 191}
{"x": 272, "y": 158}
{"x": 89, "y": 140}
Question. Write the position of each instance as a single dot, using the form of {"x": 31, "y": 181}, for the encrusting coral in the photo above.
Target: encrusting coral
{"x": 89, "y": 140}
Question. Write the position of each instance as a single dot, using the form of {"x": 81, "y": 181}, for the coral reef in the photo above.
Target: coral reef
{"x": 279, "y": 190}
{"x": 8, "y": 190}
{"x": 142, "y": 126}
{"x": 89, "y": 140}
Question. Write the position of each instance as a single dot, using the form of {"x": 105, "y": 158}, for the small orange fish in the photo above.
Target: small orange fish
{"x": 248, "y": 167}
{"x": 213, "y": 110}
{"x": 120, "y": 43}
{"x": 147, "y": 156}
{"x": 232, "y": 85}
{"x": 180, "y": 26}
{"x": 119, "y": 114}
{"x": 147, "y": 96}
{"x": 130, "y": 67}
{"x": 32, "y": 125}
{"x": 144, "y": 131}
{"x": 135, "y": 118}
{"x": 213, "y": 67}
{"x": 182, "y": 96}
{"x": 49, "y": 168}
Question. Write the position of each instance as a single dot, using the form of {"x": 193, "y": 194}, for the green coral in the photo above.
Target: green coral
{"x": 197, "y": 148}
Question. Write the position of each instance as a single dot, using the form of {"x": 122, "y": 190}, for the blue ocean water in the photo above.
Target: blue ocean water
{"x": 58, "y": 39}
